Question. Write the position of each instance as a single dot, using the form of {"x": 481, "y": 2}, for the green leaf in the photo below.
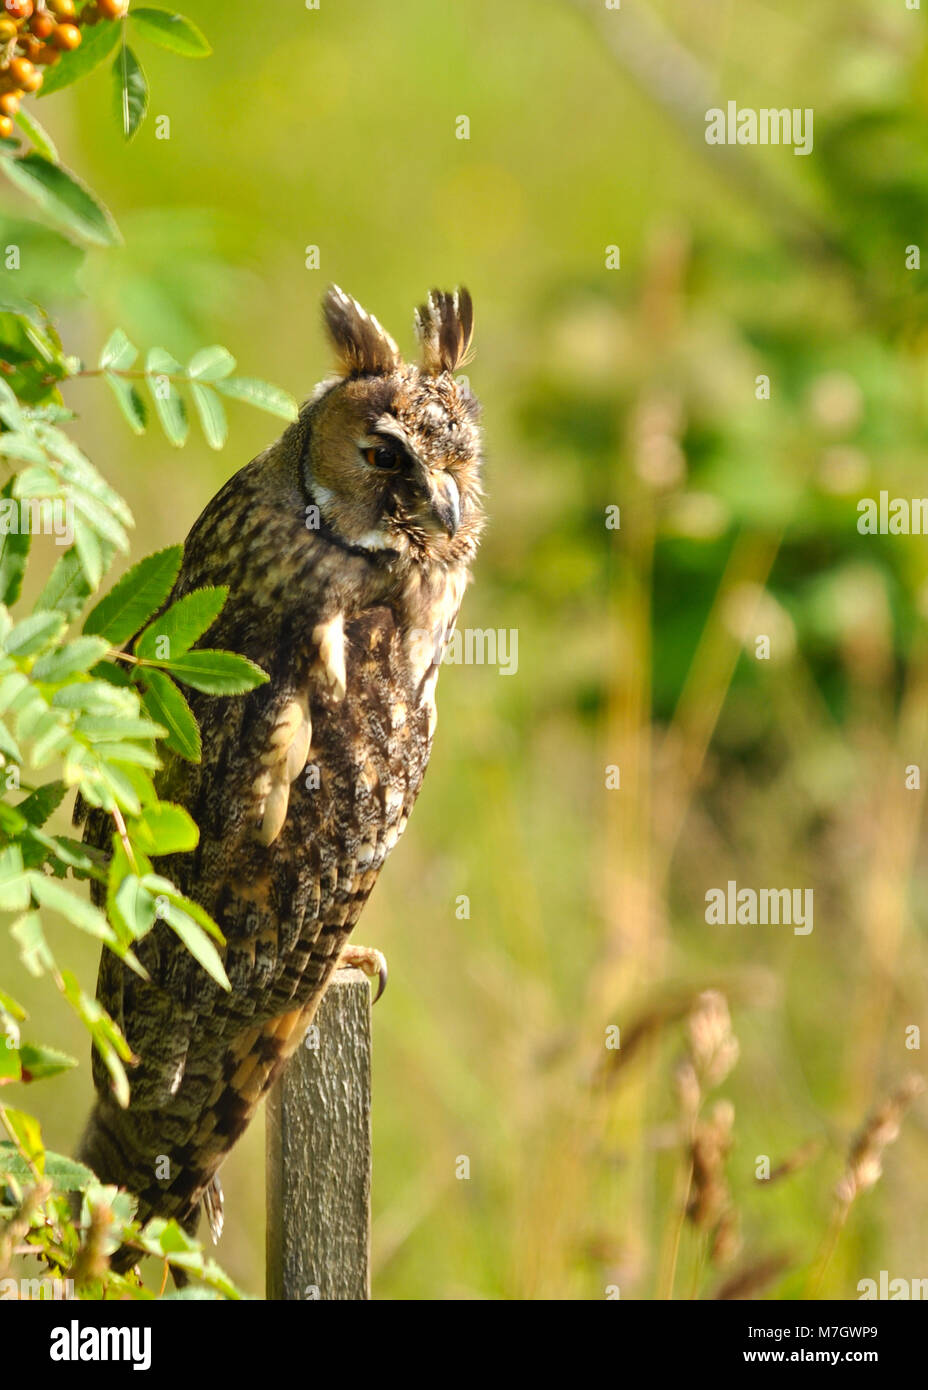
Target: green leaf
{"x": 49, "y": 735}
{"x": 217, "y": 673}
{"x": 37, "y": 133}
{"x": 131, "y": 907}
{"x": 134, "y": 754}
{"x": 116, "y": 726}
{"x": 33, "y": 948}
{"x": 142, "y": 785}
{"x": 12, "y": 824}
{"x": 14, "y": 882}
{"x": 10, "y": 412}
{"x": 62, "y": 447}
{"x": 96, "y": 697}
{"x": 98, "y": 515}
{"x": 196, "y": 941}
{"x": 33, "y": 633}
{"x": 41, "y": 803}
{"x": 9, "y": 746}
{"x": 14, "y": 552}
{"x": 118, "y": 353}
{"x": 91, "y": 551}
{"x": 211, "y": 364}
{"x": 260, "y": 394}
{"x": 75, "y": 467}
{"x": 39, "y": 1062}
{"x": 78, "y": 655}
{"x": 29, "y": 1133}
{"x": 121, "y": 866}
{"x": 164, "y": 703}
{"x": 12, "y": 686}
{"x": 106, "y": 1035}
{"x": 23, "y": 447}
{"x": 211, "y": 413}
{"x": 31, "y": 713}
{"x": 35, "y": 324}
{"x": 175, "y": 1240}
{"x": 11, "y": 1007}
{"x": 62, "y": 196}
{"x": 160, "y": 366}
{"x": 65, "y": 1173}
{"x": 10, "y": 1065}
{"x": 180, "y": 625}
{"x": 122, "y": 1207}
{"x": 165, "y": 829}
{"x": 35, "y": 482}
{"x": 164, "y": 888}
{"x": 84, "y": 860}
{"x": 140, "y": 593}
{"x": 67, "y": 588}
{"x": 16, "y": 693}
{"x": 171, "y": 31}
{"x": 130, "y": 90}
{"x": 96, "y": 46}
{"x": 78, "y": 911}
{"x": 129, "y": 402}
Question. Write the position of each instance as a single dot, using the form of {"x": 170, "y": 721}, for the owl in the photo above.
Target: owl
{"x": 346, "y": 548}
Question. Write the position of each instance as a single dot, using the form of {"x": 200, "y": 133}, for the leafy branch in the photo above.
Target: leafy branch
{"x": 91, "y": 687}
{"x": 209, "y": 371}
{"x": 37, "y": 1197}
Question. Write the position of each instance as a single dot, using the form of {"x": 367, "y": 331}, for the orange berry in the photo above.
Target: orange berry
{"x": 8, "y": 30}
{"x": 42, "y": 24}
{"x": 9, "y": 103}
{"x": 6, "y": 127}
{"x": 18, "y": 9}
{"x": 21, "y": 70}
{"x": 112, "y": 9}
{"x": 29, "y": 47}
{"x": 47, "y": 56}
{"x": 64, "y": 9}
{"x": 67, "y": 36}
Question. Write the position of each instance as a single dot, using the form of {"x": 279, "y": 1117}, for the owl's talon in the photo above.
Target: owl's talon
{"x": 367, "y": 959}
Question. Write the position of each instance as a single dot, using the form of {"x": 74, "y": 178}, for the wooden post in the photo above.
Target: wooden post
{"x": 319, "y": 1154}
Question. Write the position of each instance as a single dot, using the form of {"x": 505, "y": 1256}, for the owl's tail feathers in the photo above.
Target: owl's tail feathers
{"x": 112, "y": 1147}
{"x": 213, "y": 1205}
{"x": 169, "y": 1158}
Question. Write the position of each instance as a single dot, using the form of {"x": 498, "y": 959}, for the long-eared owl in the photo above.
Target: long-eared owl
{"x": 346, "y": 549}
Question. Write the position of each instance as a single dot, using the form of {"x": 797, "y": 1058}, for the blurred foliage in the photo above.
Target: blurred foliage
{"x": 633, "y": 388}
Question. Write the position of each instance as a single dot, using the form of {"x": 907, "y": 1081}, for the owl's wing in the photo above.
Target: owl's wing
{"x": 254, "y": 747}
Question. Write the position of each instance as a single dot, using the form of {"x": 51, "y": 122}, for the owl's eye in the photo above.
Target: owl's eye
{"x": 388, "y": 455}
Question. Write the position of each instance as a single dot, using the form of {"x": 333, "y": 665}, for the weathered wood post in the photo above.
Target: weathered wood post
{"x": 319, "y": 1154}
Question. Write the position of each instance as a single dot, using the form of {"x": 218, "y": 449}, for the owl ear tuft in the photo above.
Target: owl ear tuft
{"x": 445, "y": 327}
{"x": 362, "y": 346}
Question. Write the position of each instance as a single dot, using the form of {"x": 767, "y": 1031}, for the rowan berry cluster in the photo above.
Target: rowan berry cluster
{"x": 33, "y": 35}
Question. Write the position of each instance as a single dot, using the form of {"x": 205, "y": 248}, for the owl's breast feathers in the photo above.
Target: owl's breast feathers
{"x": 304, "y": 787}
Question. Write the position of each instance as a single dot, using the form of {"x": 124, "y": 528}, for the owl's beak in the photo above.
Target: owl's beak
{"x": 444, "y": 503}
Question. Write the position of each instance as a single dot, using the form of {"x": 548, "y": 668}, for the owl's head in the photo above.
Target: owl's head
{"x": 394, "y": 448}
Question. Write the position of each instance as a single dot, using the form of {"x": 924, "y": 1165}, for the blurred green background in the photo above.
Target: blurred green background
{"x": 632, "y": 387}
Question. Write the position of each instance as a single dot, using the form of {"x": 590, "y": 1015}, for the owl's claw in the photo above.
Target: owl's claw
{"x": 367, "y": 959}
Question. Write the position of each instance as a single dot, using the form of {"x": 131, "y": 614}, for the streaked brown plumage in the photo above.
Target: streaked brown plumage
{"x": 346, "y": 548}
